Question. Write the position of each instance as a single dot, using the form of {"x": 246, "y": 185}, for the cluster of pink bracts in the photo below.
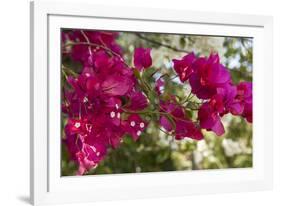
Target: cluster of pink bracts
{"x": 107, "y": 100}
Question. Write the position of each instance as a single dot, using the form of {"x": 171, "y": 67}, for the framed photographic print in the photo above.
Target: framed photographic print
{"x": 170, "y": 103}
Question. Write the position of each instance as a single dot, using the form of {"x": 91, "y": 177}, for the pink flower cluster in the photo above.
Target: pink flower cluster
{"x": 98, "y": 96}
{"x": 211, "y": 82}
{"x": 107, "y": 100}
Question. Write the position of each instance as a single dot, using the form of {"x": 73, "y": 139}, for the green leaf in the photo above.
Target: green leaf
{"x": 182, "y": 41}
{"x": 171, "y": 120}
{"x": 136, "y": 73}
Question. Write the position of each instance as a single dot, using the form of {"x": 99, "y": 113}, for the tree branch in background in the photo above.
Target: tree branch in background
{"x": 161, "y": 44}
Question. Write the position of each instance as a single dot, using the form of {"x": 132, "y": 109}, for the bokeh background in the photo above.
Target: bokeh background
{"x": 156, "y": 151}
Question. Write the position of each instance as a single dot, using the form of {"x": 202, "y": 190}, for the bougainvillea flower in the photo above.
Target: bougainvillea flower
{"x": 84, "y": 149}
{"x": 105, "y": 38}
{"x": 70, "y": 105}
{"x": 93, "y": 85}
{"x": 183, "y": 67}
{"x": 83, "y": 52}
{"x": 244, "y": 92}
{"x": 183, "y": 127}
{"x": 110, "y": 134}
{"x": 137, "y": 101}
{"x": 159, "y": 86}
{"x": 186, "y": 128}
{"x": 142, "y": 58}
{"x": 94, "y": 152}
{"x": 173, "y": 109}
{"x": 115, "y": 85}
{"x": 74, "y": 126}
{"x": 103, "y": 97}
{"x": 70, "y": 141}
{"x": 248, "y": 112}
{"x": 112, "y": 110}
{"x": 82, "y": 127}
{"x": 106, "y": 64}
{"x": 209, "y": 118}
{"x": 134, "y": 126}
{"x": 102, "y": 62}
{"x": 208, "y": 75}
{"x": 228, "y": 94}
{"x": 64, "y": 37}
{"x": 84, "y": 163}
{"x": 79, "y": 52}
{"x": 244, "y": 95}
{"x": 89, "y": 156}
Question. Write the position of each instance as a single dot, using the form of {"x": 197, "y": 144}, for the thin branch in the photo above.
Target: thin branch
{"x": 161, "y": 44}
{"x": 97, "y": 46}
{"x": 87, "y": 39}
{"x": 69, "y": 70}
{"x": 162, "y": 130}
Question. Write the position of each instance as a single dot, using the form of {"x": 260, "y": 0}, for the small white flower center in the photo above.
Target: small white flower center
{"x": 139, "y": 133}
{"x": 112, "y": 114}
{"x": 116, "y": 106}
{"x": 87, "y": 74}
{"x": 118, "y": 115}
{"x": 132, "y": 123}
{"x": 141, "y": 125}
{"x": 98, "y": 153}
{"x": 85, "y": 99}
{"x": 77, "y": 124}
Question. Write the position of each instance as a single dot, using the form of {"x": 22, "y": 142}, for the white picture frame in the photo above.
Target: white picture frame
{"x": 47, "y": 186}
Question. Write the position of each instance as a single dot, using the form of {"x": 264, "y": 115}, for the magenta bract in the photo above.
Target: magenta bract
{"x": 184, "y": 127}
{"x": 184, "y": 66}
{"x": 142, "y": 58}
{"x": 108, "y": 99}
{"x": 208, "y": 75}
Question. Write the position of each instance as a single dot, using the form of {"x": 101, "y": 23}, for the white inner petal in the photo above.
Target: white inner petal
{"x": 139, "y": 133}
{"x": 85, "y": 99}
{"x": 112, "y": 114}
{"x": 77, "y": 124}
{"x": 141, "y": 125}
{"x": 132, "y": 123}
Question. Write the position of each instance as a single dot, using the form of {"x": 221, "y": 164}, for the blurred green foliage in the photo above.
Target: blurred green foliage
{"x": 155, "y": 150}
